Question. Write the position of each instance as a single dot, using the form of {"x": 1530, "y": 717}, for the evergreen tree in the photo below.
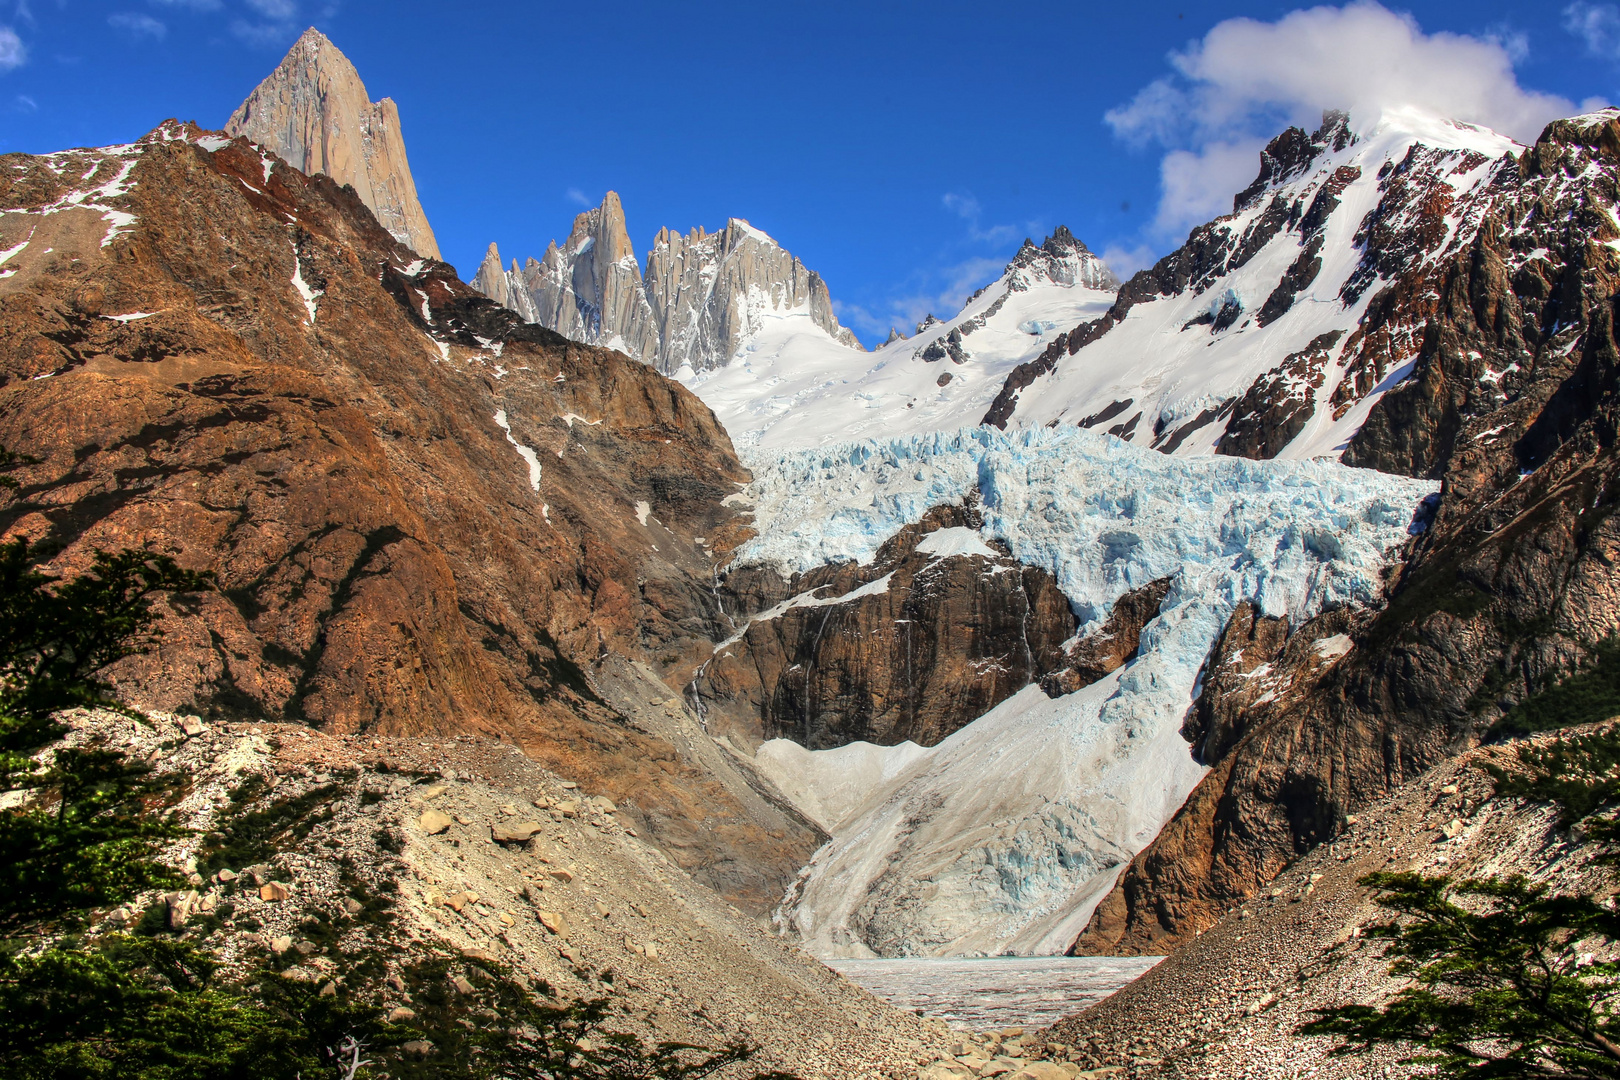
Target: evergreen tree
{"x": 1503, "y": 984}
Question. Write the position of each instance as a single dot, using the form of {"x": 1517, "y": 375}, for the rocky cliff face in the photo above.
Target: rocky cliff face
{"x": 703, "y": 298}
{"x": 712, "y": 292}
{"x": 425, "y": 516}
{"x": 314, "y": 113}
{"x": 913, "y": 646}
{"x": 1513, "y": 400}
{"x": 590, "y": 289}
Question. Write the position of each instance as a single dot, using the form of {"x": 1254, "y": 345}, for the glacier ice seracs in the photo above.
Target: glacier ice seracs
{"x": 1005, "y": 835}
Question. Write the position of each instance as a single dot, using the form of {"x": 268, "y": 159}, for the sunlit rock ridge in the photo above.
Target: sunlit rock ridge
{"x": 701, "y": 301}
{"x": 313, "y": 112}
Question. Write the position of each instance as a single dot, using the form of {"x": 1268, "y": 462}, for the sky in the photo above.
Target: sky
{"x": 901, "y": 150}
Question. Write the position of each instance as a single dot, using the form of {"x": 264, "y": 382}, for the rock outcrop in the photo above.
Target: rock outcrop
{"x": 711, "y": 293}
{"x": 590, "y": 289}
{"x": 1513, "y": 401}
{"x": 913, "y": 646}
{"x": 313, "y": 112}
{"x": 704, "y": 296}
{"x": 422, "y": 512}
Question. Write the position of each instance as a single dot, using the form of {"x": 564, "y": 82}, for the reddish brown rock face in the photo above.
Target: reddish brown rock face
{"x": 1514, "y": 403}
{"x": 389, "y": 557}
{"x": 1112, "y": 645}
{"x": 946, "y": 639}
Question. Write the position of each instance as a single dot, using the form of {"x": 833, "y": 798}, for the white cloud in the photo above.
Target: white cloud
{"x": 24, "y": 103}
{"x": 279, "y": 27}
{"x": 1514, "y": 42}
{"x": 1246, "y": 79}
{"x": 1196, "y": 186}
{"x": 1125, "y": 261}
{"x": 12, "y": 52}
{"x": 1596, "y": 24}
{"x": 577, "y": 197}
{"x": 137, "y": 26}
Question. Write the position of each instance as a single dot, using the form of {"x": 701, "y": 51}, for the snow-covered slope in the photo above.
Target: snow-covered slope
{"x": 1003, "y": 836}
{"x": 794, "y": 387}
{"x": 1260, "y": 335}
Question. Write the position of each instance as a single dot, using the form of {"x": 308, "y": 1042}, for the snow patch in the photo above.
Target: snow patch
{"x": 943, "y": 543}
{"x": 524, "y": 452}
{"x": 808, "y": 599}
{"x": 308, "y": 295}
{"x": 827, "y": 785}
{"x": 1331, "y": 648}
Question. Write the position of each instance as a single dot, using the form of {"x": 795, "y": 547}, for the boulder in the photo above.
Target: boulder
{"x": 275, "y": 891}
{"x": 553, "y": 921}
{"x": 433, "y": 822}
{"x": 515, "y": 832}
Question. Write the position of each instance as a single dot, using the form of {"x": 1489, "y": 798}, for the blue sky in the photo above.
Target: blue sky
{"x": 902, "y": 150}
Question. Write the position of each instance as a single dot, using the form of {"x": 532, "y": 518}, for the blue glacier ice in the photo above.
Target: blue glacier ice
{"x": 1005, "y": 835}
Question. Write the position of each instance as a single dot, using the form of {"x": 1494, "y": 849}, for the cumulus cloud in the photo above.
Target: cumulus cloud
{"x": 137, "y": 26}
{"x": 1246, "y": 79}
{"x": 12, "y": 52}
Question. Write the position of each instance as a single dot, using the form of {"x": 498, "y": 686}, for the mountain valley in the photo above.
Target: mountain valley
{"x": 1100, "y": 618}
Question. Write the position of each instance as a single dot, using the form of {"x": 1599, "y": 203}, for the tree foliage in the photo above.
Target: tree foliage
{"x": 1502, "y": 982}
{"x": 1584, "y": 696}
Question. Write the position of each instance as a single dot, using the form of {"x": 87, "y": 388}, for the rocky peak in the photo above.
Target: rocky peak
{"x": 590, "y": 289}
{"x": 1290, "y": 154}
{"x": 1596, "y": 134}
{"x": 703, "y": 298}
{"x": 712, "y": 292}
{"x": 1061, "y": 260}
{"x": 314, "y": 112}
{"x": 491, "y": 278}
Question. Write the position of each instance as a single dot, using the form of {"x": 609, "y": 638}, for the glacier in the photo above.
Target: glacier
{"x": 1004, "y": 836}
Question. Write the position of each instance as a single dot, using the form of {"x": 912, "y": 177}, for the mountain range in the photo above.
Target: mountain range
{"x": 1066, "y": 623}
{"x": 701, "y": 301}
